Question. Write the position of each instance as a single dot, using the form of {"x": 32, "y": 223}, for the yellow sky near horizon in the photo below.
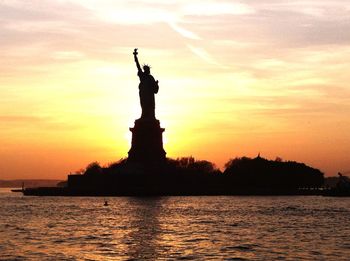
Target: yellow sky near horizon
{"x": 236, "y": 78}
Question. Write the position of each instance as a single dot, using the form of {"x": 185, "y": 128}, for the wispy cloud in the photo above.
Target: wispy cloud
{"x": 185, "y": 33}
{"x": 68, "y": 55}
{"x": 204, "y": 55}
{"x": 210, "y": 8}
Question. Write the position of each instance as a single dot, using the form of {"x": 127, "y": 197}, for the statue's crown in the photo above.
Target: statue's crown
{"x": 146, "y": 66}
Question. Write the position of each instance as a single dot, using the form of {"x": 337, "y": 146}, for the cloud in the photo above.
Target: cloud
{"x": 185, "y": 33}
{"x": 68, "y": 55}
{"x": 204, "y": 55}
{"x": 210, "y": 8}
{"x": 22, "y": 122}
{"x": 21, "y": 119}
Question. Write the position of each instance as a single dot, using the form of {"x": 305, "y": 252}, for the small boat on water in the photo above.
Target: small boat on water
{"x": 342, "y": 188}
{"x": 19, "y": 189}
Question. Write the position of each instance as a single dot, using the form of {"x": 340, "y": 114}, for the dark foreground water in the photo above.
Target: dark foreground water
{"x": 182, "y": 228}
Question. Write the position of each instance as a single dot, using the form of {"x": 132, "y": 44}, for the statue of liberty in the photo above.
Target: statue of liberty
{"x": 147, "y": 88}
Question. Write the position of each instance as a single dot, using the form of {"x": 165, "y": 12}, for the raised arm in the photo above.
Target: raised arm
{"x": 137, "y": 60}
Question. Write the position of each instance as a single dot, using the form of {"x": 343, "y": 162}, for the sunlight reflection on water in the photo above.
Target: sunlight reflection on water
{"x": 192, "y": 228}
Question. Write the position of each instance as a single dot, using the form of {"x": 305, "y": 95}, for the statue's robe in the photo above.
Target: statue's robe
{"x": 147, "y": 88}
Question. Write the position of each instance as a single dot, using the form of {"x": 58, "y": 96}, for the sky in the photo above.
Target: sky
{"x": 236, "y": 78}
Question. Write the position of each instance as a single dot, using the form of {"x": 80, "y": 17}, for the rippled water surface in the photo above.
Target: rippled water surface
{"x": 184, "y": 228}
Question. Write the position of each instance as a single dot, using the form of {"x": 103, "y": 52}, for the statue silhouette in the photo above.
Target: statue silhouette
{"x": 147, "y": 88}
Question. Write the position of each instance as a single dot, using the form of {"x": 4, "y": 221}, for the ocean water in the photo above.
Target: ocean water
{"x": 174, "y": 228}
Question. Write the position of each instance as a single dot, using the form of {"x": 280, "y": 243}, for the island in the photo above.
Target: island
{"x": 148, "y": 172}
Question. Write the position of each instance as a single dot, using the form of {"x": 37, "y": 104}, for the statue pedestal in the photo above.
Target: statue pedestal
{"x": 147, "y": 142}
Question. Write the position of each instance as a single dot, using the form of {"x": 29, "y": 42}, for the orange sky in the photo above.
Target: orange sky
{"x": 236, "y": 78}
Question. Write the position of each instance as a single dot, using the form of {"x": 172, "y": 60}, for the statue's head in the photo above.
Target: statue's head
{"x": 147, "y": 69}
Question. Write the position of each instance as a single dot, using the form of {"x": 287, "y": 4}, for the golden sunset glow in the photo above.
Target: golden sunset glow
{"x": 236, "y": 78}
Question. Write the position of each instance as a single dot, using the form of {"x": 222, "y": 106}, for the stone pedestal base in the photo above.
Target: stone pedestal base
{"x": 147, "y": 142}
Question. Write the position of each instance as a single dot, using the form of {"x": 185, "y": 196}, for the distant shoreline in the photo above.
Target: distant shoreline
{"x": 17, "y": 183}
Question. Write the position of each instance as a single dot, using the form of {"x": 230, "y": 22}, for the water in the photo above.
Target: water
{"x": 179, "y": 228}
